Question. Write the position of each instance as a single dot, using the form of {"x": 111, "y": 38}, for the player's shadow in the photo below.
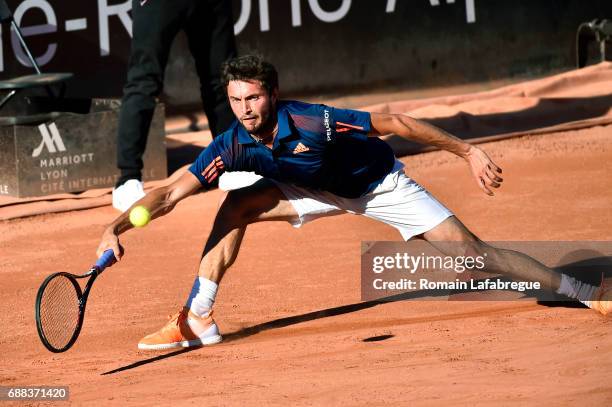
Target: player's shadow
{"x": 293, "y": 320}
{"x": 589, "y": 270}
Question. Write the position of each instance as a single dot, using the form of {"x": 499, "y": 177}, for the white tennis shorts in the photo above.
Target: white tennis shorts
{"x": 398, "y": 201}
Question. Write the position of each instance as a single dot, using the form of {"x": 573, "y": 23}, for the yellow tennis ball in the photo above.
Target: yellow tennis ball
{"x": 140, "y": 216}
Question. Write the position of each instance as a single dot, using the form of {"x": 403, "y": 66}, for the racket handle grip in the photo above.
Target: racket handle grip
{"x": 107, "y": 259}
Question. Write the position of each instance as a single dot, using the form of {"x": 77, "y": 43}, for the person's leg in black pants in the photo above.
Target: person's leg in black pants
{"x": 210, "y": 32}
{"x": 155, "y": 24}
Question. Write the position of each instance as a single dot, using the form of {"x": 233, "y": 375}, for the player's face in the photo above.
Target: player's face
{"x": 252, "y": 105}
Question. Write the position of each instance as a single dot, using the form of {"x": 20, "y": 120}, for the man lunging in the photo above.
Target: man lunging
{"x": 316, "y": 161}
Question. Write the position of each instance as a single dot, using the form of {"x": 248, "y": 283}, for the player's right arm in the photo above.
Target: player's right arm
{"x": 201, "y": 174}
{"x": 159, "y": 202}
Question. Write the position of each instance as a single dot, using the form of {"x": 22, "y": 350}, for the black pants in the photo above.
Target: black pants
{"x": 210, "y": 33}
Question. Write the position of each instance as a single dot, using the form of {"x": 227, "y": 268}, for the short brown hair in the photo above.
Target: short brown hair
{"x": 250, "y": 68}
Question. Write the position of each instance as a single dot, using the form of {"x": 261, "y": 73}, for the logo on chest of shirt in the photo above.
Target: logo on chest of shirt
{"x": 300, "y": 148}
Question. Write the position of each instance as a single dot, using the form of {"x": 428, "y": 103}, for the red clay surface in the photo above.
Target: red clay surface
{"x": 290, "y": 308}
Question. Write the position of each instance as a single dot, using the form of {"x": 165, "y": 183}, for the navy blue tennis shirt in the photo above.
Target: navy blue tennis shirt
{"x": 316, "y": 146}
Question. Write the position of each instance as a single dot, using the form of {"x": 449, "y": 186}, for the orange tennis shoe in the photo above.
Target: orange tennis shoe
{"x": 177, "y": 333}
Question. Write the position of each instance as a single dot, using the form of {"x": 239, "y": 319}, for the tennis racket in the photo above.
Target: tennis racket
{"x": 60, "y": 305}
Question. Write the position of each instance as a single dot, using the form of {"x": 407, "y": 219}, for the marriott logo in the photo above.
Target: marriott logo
{"x": 51, "y": 139}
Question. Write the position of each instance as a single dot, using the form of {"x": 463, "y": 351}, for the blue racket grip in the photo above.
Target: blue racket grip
{"x": 107, "y": 259}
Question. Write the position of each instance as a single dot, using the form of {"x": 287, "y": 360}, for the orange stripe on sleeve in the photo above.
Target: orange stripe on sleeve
{"x": 214, "y": 166}
{"x": 212, "y": 175}
{"x": 212, "y": 163}
{"x": 348, "y": 125}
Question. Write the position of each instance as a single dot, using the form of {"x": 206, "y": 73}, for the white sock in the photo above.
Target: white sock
{"x": 202, "y": 296}
{"x": 573, "y": 288}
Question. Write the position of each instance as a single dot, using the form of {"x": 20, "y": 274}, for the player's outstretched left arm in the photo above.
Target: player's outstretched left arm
{"x": 485, "y": 171}
{"x": 158, "y": 202}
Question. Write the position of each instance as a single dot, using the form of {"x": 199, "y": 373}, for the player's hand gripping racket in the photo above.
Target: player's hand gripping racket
{"x": 60, "y": 305}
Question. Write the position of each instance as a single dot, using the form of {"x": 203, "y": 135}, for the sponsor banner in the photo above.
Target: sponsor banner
{"x": 70, "y": 152}
{"x": 318, "y": 45}
{"x": 418, "y": 270}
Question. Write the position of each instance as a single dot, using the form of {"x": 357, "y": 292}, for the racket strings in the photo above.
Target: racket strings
{"x": 59, "y": 311}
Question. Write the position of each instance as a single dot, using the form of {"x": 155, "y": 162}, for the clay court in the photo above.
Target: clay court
{"x": 296, "y": 332}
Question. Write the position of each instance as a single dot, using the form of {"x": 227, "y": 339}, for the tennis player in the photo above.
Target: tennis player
{"x": 315, "y": 161}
